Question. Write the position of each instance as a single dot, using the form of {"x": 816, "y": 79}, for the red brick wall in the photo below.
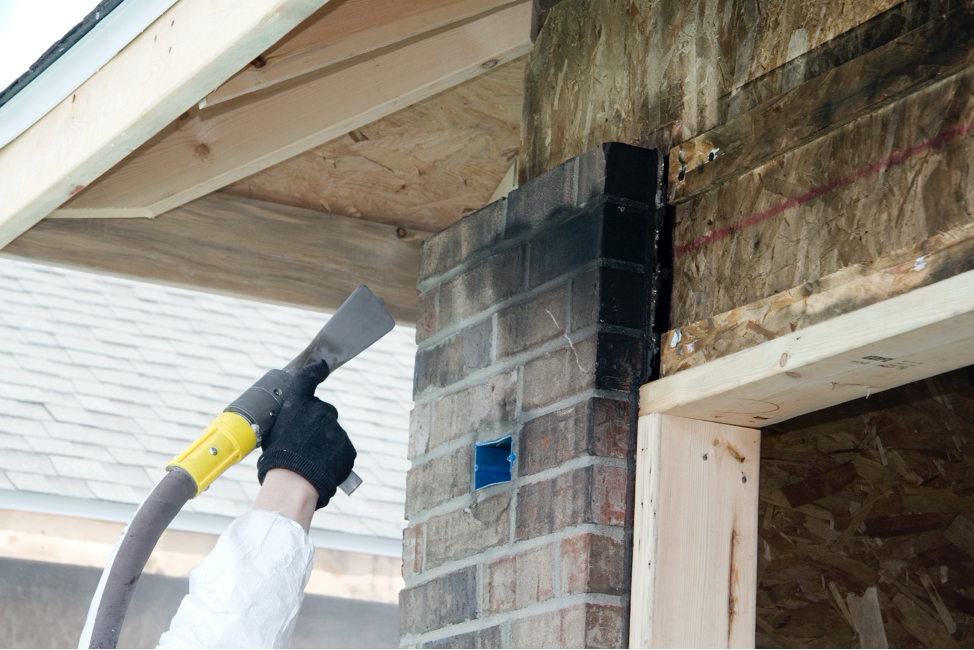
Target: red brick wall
{"x": 535, "y": 320}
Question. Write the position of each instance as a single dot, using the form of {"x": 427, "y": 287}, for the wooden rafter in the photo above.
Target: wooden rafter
{"x": 206, "y": 150}
{"x": 167, "y": 68}
{"x": 343, "y": 29}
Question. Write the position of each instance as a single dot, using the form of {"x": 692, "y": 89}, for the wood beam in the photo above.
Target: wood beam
{"x": 240, "y": 247}
{"x": 344, "y": 29}
{"x": 184, "y": 54}
{"x": 920, "y": 334}
{"x": 694, "y": 573}
{"x": 206, "y": 150}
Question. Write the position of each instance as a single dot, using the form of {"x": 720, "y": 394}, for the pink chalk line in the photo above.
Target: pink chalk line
{"x": 895, "y": 158}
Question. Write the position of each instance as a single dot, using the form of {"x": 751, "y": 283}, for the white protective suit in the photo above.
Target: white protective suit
{"x": 247, "y": 592}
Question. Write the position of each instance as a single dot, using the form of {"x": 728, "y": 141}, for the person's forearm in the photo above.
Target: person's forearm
{"x": 288, "y": 493}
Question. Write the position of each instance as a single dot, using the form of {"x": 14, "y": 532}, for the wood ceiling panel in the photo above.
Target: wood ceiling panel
{"x": 420, "y": 168}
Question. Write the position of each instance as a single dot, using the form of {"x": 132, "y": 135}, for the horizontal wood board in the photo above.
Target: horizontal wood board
{"x": 343, "y": 29}
{"x": 941, "y": 256}
{"x": 886, "y": 181}
{"x": 935, "y": 50}
{"x": 876, "y": 494}
{"x": 655, "y": 74}
{"x": 243, "y": 248}
{"x": 204, "y": 150}
{"x": 922, "y": 333}
{"x": 422, "y": 167}
{"x": 695, "y": 535}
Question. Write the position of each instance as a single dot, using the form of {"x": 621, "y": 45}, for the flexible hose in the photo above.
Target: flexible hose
{"x": 128, "y": 558}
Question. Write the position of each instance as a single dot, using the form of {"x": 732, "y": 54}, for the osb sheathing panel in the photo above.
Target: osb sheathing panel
{"x": 653, "y": 73}
{"x": 877, "y": 493}
{"x": 421, "y": 168}
{"x": 886, "y": 181}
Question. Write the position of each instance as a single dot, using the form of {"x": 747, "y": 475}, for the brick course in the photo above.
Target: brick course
{"x": 467, "y": 531}
{"x": 440, "y": 602}
{"x": 535, "y": 317}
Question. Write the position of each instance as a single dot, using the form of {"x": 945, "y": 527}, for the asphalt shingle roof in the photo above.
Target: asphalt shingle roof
{"x": 103, "y": 380}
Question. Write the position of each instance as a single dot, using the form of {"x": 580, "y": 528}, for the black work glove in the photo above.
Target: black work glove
{"x": 307, "y": 438}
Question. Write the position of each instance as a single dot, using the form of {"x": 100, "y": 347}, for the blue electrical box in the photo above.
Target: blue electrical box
{"x": 492, "y": 462}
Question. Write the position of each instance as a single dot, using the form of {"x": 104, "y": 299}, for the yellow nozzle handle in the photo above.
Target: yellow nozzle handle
{"x": 224, "y": 442}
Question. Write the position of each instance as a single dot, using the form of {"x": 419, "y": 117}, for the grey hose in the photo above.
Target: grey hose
{"x": 131, "y": 552}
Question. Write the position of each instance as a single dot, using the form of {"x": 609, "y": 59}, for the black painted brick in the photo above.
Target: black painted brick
{"x": 625, "y": 233}
{"x": 620, "y": 170}
{"x": 541, "y": 199}
{"x": 466, "y": 237}
{"x": 565, "y": 247}
{"x": 619, "y": 361}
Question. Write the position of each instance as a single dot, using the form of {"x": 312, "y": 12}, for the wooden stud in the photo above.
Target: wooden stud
{"x": 213, "y": 148}
{"x": 916, "y": 335}
{"x": 243, "y": 248}
{"x": 694, "y": 577}
{"x": 341, "y": 30}
{"x": 162, "y": 72}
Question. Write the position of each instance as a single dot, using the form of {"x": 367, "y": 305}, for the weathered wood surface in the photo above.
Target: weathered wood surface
{"x": 657, "y": 73}
{"x": 919, "y": 334}
{"x": 166, "y": 68}
{"x": 940, "y": 48}
{"x": 204, "y": 150}
{"x": 240, "y": 247}
{"x": 886, "y": 181}
{"x": 343, "y": 29}
{"x": 823, "y": 581}
{"x": 892, "y": 274}
{"x": 695, "y": 535}
{"x": 422, "y": 167}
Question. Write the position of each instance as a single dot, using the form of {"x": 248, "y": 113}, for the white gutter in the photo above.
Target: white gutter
{"x": 96, "y": 48}
{"x": 192, "y": 522}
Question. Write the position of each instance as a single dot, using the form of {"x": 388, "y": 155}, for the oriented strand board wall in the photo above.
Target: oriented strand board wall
{"x": 657, "y": 72}
{"x": 873, "y": 494}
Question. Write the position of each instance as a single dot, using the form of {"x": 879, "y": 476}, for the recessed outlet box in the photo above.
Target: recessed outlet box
{"x": 492, "y": 462}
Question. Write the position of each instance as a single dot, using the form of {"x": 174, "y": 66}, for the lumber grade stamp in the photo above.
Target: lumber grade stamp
{"x": 885, "y": 181}
{"x": 895, "y": 273}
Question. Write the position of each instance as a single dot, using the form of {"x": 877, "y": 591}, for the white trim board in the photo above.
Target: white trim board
{"x": 193, "y": 522}
{"x": 920, "y": 334}
{"x": 71, "y": 69}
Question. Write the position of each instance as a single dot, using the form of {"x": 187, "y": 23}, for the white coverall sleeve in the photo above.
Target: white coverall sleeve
{"x": 247, "y": 592}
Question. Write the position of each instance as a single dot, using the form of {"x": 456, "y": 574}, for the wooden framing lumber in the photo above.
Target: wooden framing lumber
{"x": 919, "y": 334}
{"x": 240, "y": 247}
{"x": 941, "y": 256}
{"x": 694, "y": 576}
{"x": 206, "y": 150}
{"x": 934, "y": 51}
{"x": 341, "y": 30}
{"x": 184, "y": 54}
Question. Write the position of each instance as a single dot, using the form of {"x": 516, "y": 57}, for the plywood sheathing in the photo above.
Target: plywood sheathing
{"x": 885, "y": 181}
{"x": 877, "y": 493}
{"x": 655, "y": 74}
{"x": 421, "y": 168}
{"x": 851, "y": 288}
